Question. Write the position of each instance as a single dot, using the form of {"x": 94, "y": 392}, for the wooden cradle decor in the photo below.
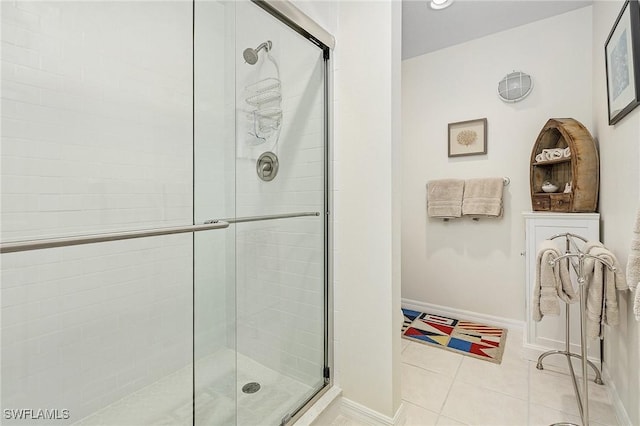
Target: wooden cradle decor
{"x": 565, "y": 170}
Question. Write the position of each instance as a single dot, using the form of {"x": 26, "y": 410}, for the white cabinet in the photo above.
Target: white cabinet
{"x": 549, "y": 333}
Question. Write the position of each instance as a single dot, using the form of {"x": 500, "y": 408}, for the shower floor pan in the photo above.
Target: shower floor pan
{"x": 168, "y": 400}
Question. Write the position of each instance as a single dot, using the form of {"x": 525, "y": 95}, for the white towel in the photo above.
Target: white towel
{"x": 600, "y": 280}
{"x": 544, "y": 300}
{"x": 566, "y": 292}
{"x": 552, "y": 281}
{"x": 636, "y": 303}
{"x": 553, "y": 153}
{"x": 483, "y": 197}
{"x": 633, "y": 266}
{"x": 444, "y": 198}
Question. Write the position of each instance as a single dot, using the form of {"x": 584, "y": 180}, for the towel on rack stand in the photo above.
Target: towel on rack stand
{"x": 633, "y": 266}
{"x": 602, "y": 282}
{"x": 551, "y": 282}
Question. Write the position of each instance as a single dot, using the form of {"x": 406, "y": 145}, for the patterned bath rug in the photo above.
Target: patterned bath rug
{"x": 466, "y": 337}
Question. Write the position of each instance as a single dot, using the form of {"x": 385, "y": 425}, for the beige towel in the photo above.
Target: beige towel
{"x": 566, "y": 292}
{"x": 633, "y": 266}
{"x": 545, "y": 291}
{"x": 636, "y": 303}
{"x": 483, "y": 197}
{"x": 599, "y": 277}
{"x": 444, "y": 198}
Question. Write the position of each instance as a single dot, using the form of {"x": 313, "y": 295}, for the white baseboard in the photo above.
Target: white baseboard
{"x": 507, "y": 323}
{"x": 614, "y": 396}
{"x": 332, "y": 404}
{"x": 368, "y": 416}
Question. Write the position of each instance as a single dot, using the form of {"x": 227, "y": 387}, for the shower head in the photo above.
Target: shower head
{"x": 251, "y": 55}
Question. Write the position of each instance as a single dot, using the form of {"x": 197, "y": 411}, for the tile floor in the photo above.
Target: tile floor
{"x": 444, "y": 388}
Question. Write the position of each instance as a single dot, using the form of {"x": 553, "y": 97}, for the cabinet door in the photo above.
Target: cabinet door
{"x": 550, "y": 333}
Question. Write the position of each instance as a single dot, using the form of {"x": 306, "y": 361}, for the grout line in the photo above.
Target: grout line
{"x": 453, "y": 382}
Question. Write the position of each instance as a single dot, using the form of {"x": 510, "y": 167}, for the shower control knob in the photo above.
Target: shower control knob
{"x": 267, "y": 166}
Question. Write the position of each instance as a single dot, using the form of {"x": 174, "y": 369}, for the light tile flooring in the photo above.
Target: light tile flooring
{"x": 444, "y": 388}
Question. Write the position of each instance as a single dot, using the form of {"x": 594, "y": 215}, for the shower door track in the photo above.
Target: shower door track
{"x": 38, "y": 244}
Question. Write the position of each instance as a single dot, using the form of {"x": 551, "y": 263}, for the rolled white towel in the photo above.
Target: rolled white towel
{"x": 540, "y": 157}
{"x": 566, "y": 152}
{"x": 553, "y": 153}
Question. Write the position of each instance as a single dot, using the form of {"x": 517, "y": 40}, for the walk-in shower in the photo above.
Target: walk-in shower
{"x": 164, "y": 213}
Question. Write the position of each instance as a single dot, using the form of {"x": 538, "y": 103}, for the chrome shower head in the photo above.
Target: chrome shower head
{"x": 251, "y": 55}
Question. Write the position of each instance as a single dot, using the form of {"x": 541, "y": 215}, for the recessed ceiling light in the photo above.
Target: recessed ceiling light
{"x": 440, "y": 4}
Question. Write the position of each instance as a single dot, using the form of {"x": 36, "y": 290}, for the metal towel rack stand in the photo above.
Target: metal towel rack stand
{"x": 576, "y": 258}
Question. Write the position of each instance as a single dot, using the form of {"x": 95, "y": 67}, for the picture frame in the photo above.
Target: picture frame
{"x": 622, "y": 62}
{"x": 467, "y": 138}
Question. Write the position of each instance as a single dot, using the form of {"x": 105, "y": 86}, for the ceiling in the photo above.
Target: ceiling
{"x": 425, "y": 30}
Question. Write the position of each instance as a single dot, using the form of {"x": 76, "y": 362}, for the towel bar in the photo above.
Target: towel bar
{"x": 505, "y": 181}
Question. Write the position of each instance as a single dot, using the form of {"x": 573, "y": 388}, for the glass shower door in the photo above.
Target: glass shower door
{"x": 214, "y": 321}
{"x": 265, "y": 157}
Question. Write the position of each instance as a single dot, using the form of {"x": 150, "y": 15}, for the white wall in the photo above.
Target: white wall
{"x": 96, "y": 134}
{"x": 477, "y": 266}
{"x": 619, "y": 196}
{"x": 366, "y": 281}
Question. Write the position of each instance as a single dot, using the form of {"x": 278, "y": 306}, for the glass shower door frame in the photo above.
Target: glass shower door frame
{"x": 291, "y": 16}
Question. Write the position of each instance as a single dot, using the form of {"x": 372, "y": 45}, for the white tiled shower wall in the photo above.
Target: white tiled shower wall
{"x": 96, "y": 135}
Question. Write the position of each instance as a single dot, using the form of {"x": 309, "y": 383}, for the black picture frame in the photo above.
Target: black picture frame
{"x": 622, "y": 62}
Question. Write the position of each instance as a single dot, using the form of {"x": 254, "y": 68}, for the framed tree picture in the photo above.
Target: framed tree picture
{"x": 622, "y": 59}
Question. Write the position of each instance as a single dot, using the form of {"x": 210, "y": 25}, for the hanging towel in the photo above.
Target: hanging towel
{"x": 602, "y": 281}
{"x": 633, "y": 266}
{"x": 483, "y": 197}
{"x": 444, "y": 198}
{"x": 566, "y": 292}
{"x": 545, "y": 291}
{"x": 552, "y": 281}
{"x": 636, "y": 303}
